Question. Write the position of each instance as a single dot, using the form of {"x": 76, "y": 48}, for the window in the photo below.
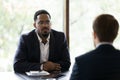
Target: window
{"x": 17, "y": 18}
{"x": 82, "y": 14}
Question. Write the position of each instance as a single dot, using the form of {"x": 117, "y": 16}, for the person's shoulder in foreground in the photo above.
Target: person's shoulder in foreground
{"x": 102, "y": 63}
{"x": 43, "y": 48}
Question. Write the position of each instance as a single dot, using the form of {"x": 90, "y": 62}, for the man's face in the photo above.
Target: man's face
{"x": 43, "y": 24}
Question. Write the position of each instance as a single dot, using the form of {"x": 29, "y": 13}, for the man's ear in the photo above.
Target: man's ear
{"x": 94, "y": 38}
{"x": 34, "y": 24}
{"x": 94, "y": 35}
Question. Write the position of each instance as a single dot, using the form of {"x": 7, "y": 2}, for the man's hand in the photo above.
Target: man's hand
{"x": 50, "y": 66}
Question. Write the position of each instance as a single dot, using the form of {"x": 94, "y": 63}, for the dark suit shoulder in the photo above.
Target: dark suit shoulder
{"x": 57, "y": 33}
{"x": 30, "y": 35}
{"x": 100, "y": 52}
{"x": 90, "y": 53}
{"x": 84, "y": 54}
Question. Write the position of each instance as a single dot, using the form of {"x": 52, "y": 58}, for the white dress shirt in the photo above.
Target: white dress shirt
{"x": 44, "y": 48}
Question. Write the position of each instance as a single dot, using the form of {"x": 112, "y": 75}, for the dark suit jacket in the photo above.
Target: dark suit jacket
{"x": 103, "y": 63}
{"x": 27, "y": 56}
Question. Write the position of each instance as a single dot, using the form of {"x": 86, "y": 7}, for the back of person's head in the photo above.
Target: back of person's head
{"x": 40, "y": 12}
{"x": 106, "y": 27}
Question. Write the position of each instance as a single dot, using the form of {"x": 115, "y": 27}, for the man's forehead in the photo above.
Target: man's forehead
{"x": 43, "y": 17}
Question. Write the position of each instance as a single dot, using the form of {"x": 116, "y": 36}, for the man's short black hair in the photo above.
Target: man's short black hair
{"x": 40, "y": 12}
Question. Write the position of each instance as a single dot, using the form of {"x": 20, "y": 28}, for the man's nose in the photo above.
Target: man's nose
{"x": 45, "y": 25}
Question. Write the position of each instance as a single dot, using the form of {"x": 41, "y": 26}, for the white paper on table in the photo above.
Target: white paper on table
{"x": 37, "y": 73}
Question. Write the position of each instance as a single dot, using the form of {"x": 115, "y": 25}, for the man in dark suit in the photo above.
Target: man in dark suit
{"x": 102, "y": 63}
{"x": 42, "y": 48}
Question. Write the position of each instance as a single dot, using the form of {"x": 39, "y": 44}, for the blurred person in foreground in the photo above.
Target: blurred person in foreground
{"x": 102, "y": 63}
{"x": 42, "y": 48}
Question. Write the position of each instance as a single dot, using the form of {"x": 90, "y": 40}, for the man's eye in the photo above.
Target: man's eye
{"x": 40, "y": 22}
{"x": 47, "y": 22}
{"x": 44, "y": 22}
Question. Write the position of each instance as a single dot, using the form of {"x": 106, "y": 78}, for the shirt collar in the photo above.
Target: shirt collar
{"x": 102, "y": 43}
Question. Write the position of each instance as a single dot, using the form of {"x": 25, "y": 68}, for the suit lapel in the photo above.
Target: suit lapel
{"x": 51, "y": 46}
{"x": 37, "y": 46}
